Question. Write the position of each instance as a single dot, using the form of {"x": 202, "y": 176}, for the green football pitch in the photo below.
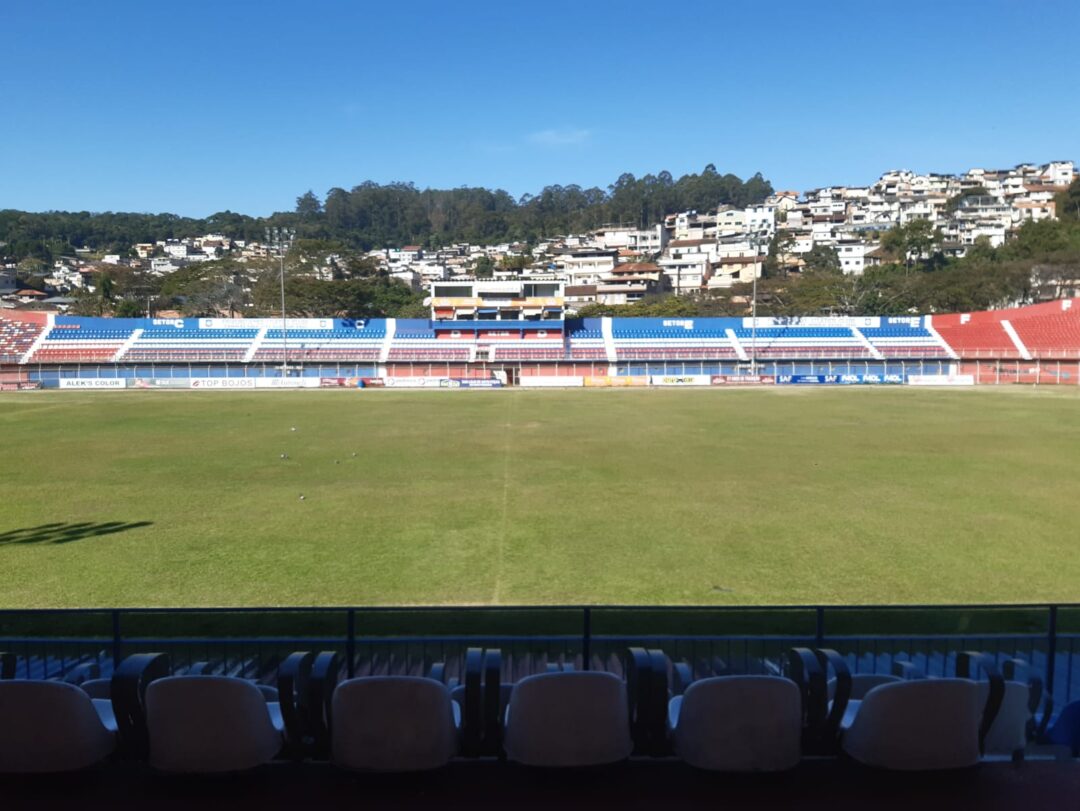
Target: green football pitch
{"x": 784, "y": 496}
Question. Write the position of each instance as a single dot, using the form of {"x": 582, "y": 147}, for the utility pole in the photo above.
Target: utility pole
{"x": 281, "y": 239}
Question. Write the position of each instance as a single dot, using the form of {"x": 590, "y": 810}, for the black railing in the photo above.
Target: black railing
{"x": 251, "y": 642}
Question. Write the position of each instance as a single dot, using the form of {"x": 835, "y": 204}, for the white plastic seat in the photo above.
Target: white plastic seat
{"x": 738, "y": 724}
{"x": 568, "y": 719}
{"x": 916, "y": 725}
{"x": 48, "y": 726}
{"x": 1008, "y": 732}
{"x": 393, "y": 724}
{"x": 210, "y": 724}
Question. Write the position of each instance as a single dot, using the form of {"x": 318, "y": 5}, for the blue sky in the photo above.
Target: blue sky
{"x": 198, "y": 107}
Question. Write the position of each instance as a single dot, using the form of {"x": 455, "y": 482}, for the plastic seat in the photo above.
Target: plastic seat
{"x": 927, "y": 724}
{"x": 48, "y": 726}
{"x": 568, "y": 719}
{"x": 393, "y": 724}
{"x": 210, "y": 724}
{"x": 738, "y": 724}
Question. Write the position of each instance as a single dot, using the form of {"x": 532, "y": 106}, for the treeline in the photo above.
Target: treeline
{"x": 393, "y": 215}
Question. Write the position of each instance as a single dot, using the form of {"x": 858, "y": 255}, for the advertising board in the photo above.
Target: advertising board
{"x": 742, "y": 380}
{"x": 840, "y": 380}
{"x": 161, "y": 383}
{"x": 681, "y": 380}
{"x": 618, "y": 381}
{"x": 286, "y": 382}
{"x": 93, "y": 383}
{"x": 223, "y": 383}
{"x": 550, "y": 381}
{"x": 473, "y": 383}
{"x": 941, "y": 380}
{"x": 414, "y": 382}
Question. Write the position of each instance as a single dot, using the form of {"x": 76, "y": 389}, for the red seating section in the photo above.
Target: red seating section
{"x": 976, "y": 338}
{"x": 1051, "y": 336}
{"x": 16, "y": 337}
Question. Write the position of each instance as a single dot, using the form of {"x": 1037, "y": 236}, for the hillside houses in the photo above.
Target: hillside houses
{"x": 691, "y": 251}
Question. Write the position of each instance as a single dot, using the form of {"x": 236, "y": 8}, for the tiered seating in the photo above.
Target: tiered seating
{"x": 16, "y": 338}
{"x": 70, "y": 343}
{"x": 173, "y": 344}
{"x": 976, "y": 339}
{"x": 1050, "y": 336}
{"x": 904, "y": 338}
{"x": 802, "y": 342}
{"x": 670, "y": 343}
{"x": 416, "y": 345}
{"x": 338, "y": 344}
{"x": 587, "y": 344}
{"x": 530, "y": 352}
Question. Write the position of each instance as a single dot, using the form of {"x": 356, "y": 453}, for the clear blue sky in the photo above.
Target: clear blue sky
{"x": 195, "y": 107}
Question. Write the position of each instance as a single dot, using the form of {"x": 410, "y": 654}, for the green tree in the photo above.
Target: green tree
{"x": 821, "y": 259}
{"x": 483, "y": 267}
{"x": 1067, "y": 202}
{"x": 308, "y": 205}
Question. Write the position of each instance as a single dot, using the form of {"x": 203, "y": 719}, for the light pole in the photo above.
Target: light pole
{"x": 281, "y": 239}
{"x": 753, "y": 306}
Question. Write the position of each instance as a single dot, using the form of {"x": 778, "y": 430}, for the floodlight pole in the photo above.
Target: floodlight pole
{"x": 281, "y": 239}
{"x": 753, "y": 308}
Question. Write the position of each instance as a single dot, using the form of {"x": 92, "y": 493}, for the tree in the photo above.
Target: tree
{"x": 821, "y": 259}
{"x": 1067, "y": 203}
{"x": 483, "y": 267}
{"x": 781, "y": 247}
{"x": 308, "y": 205}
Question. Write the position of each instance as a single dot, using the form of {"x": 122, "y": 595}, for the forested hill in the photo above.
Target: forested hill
{"x": 373, "y": 216}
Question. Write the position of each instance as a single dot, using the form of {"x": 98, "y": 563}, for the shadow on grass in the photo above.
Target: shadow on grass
{"x": 66, "y": 533}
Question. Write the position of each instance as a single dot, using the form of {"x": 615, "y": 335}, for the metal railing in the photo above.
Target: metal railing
{"x": 713, "y": 640}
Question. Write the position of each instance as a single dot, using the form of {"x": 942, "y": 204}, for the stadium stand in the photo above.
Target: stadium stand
{"x": 802, "y": 342}
{"x": 1040, "y": 341}
{"x": 197, "y": 721}
{"x": 172, "y": 343}
{"x": 975, "y": 338}
{"x": 905, "y": 338}
{"x": 17, "y": 335}
{"x": 1050, "y": 336}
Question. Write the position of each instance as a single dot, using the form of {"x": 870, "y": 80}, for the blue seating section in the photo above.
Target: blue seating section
{"x": 102, "y": 339}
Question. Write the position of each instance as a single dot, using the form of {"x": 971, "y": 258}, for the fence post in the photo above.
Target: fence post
{"x": 819, "y": 631}
{"x": 350, "y": 643}
{"x": 1051, "y": 651}
{"x": 586, "y": 639}
{"x": 116, "y": 643}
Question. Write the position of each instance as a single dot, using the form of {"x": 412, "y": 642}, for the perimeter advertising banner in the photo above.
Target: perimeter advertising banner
{"x": 162, "y": 383}
{"x": 286, "y": 382}
{"x": 93, "y": 383}
{"x": 223, "y": 383}
{"x": 742, "y": 380}
{"x": 681, "y": 380}
{"x": 550, "y": 381}
{"x": 941, "y": 380}
{"x": 839, "y": 380}
{"x": 617, "y": 380}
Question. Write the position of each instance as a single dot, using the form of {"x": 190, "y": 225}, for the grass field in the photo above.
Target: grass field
{"x": 520, "y": 497}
